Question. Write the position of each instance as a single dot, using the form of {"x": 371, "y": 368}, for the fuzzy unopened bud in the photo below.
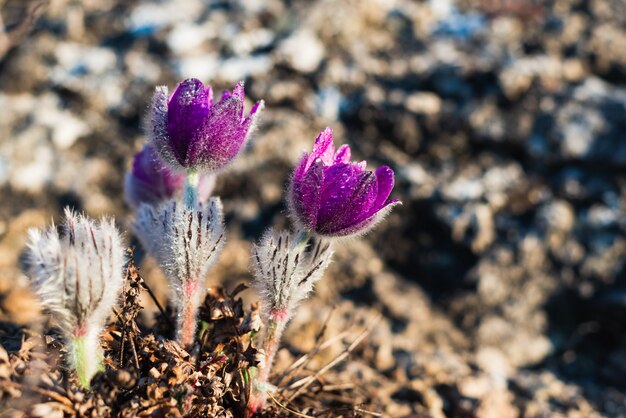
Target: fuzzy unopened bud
{"x": 78, "y": 275}
{"x": 186, "y": 243}
{"x": 285, "y": 271}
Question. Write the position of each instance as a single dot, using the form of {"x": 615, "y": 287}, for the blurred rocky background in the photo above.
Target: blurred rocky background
{"x": 501, "y": 279}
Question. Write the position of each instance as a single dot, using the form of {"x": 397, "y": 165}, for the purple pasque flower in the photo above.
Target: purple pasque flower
{"x": 151, "y": 181}
{"x": 192, "y": 132}
{"x": 331, "y": 196}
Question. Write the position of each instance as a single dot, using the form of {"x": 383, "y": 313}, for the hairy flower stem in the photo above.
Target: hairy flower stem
{"x": 270, "y": 346}
{"x": 271, "y": 341}
{"x": 191, "y": 189}
{"x": 188, "y": 312}
{"x": 188, "y": 306}
{"x": 86, "y": 356}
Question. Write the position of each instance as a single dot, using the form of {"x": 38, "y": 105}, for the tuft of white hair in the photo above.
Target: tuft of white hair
{"x": 286, "y": 270}
{"x": 156, "y": 126}
{"x": 77, "y": 274}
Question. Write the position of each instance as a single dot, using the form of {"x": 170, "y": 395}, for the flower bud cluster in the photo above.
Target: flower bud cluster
{"x": 78, "y": 273}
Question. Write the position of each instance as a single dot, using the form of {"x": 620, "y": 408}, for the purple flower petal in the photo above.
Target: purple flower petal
{"x": 257, "y": 107}
{"x": 254, "y": 112}
{"x": 209, "y": 94}
{"x": 385, "y": 182}
{"x": 360, "y": 203}
{"x": 367, "y": 224}
{"x": 305, "y": 192}
{"x": 340, "y": 184}
{"x": 385, "y": 179}
{"x": 188, "y": 108}
{"x": 150, "y": 180}
{"x": 249, "y": 123}
{"x": 220, "y": 138}
{"x": 300, "y": 169}
{"x": 238, "y": 90}
{"x": 343, "y": 155}
{"x": 323, "y": 147}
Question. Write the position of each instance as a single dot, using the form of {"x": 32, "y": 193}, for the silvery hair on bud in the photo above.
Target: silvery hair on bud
{"x": 77, "y": 274}
{"x": 285, "y": 273}
{"x": 185, "y": 242}
{"x": 156, "y": 126}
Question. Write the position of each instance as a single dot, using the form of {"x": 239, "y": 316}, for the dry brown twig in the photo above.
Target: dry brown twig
{"x": 304, "y": 359}
{"x": 305, "y": 382}
{"x": 12, "y": 37}
{"x": 280, "y": 405}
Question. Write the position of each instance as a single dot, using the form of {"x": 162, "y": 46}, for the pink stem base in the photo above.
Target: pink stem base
{"x": 187, "y": 316}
